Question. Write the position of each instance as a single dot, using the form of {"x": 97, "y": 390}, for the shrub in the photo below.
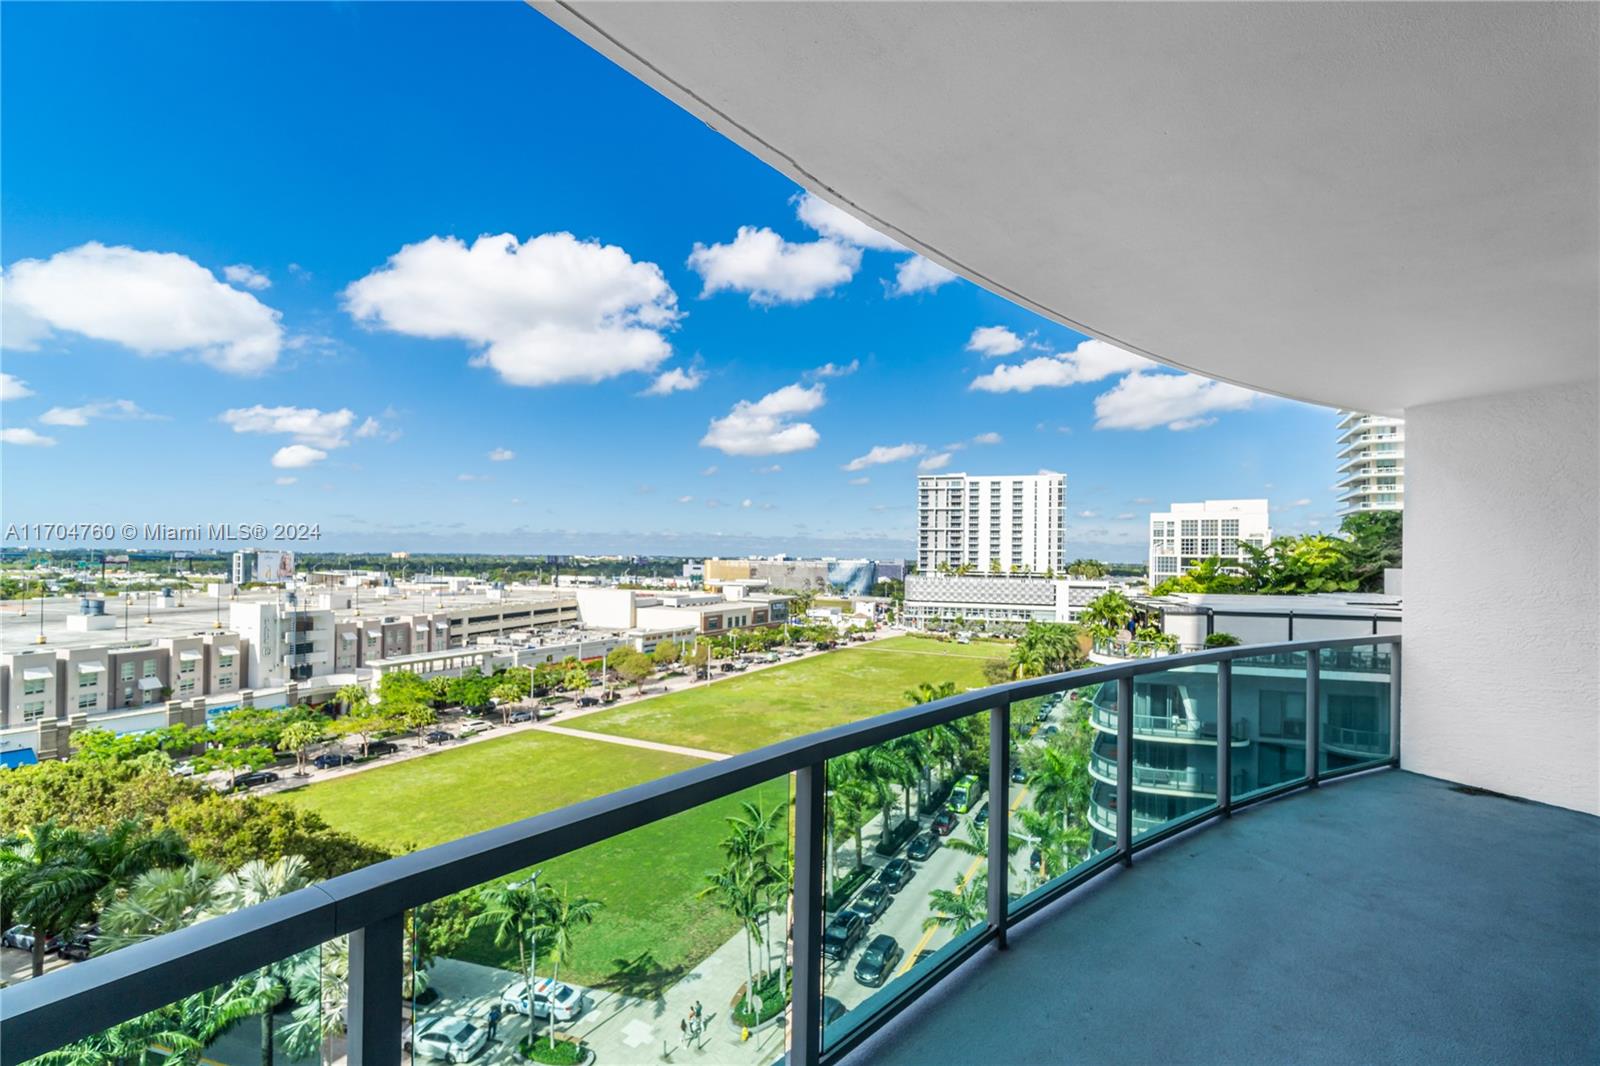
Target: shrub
{"x": 1223, "y": 640}
{"x": 773, "y": 1000}
{"x": 561, "y": 1053}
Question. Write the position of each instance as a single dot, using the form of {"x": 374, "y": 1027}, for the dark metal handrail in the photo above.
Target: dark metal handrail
{"x": 68, "y": 1004}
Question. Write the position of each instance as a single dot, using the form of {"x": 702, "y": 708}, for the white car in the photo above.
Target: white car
{"x": 567, "y": 1002}
{"x": 450, "y": 1039}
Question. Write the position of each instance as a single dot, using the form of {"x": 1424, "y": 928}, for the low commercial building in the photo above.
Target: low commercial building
{"x": 1191, "y": 533}
{"x": 1011, "y": 599}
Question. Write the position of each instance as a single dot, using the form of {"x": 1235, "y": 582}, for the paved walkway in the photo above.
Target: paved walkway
{"x": 633, "y": 742}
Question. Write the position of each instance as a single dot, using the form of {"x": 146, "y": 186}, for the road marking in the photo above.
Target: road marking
{"x": 979, "y": 861}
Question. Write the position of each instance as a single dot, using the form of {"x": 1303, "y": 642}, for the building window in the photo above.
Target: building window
{"x": 186, "y": 668}
{"x": 1191, "y": 527}
{"x": 1230, "y": 527}
{"x": 33, "y": 711}
{"x": 149, "y": 668}
{"x": 224, "y": 661}
{"x": 127, "y": 671}
{"x": 1191, "y": 545}
{"x": 225, "y": 681}
{"x": 86, "y": 681}
{"x": 33, "y": 688}
{"x": 186, "y": 688}
{"x": 88, "y": 701}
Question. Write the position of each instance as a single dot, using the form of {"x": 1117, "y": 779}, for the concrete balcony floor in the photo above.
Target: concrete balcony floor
{"x": 1388, "y": 918}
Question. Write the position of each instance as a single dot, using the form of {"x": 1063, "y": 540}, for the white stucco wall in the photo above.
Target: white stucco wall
{"x": 1503, "y": 691}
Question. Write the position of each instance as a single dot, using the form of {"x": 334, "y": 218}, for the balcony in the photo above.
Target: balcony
{"x": 1166, "y": 727}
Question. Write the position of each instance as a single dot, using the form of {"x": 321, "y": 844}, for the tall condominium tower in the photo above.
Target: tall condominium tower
{"x": 1372, "y": 463}
{"x": 1014, "y": 523}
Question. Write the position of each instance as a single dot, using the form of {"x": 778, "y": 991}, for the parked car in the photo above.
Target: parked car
{"x": 183, "y": 769}
{"x": 330, "y": 760}
{"x": 878, "y": 961}
{"x": 842, "y": 935}
{"x": 567, "y": 1002}
{"x": 21, "y": 937}
{"x": 832, "y": 1010}
{"x": 1035, "y": 857}
{"x": 450, "y": 1039}
{"x": 923, "y": 846}
{"x": 895, "y": 874}
{"x": 588, "y": 701}
{"x": 1019, "y": 775}
{"x": 982, "y": 817}
{"x": 79, "y": 947}
{"x": 1051, "y": 730}
{"x": 944, "y": 822}
{"x": 964, "y": 796}
{"x": 254, "y": 778}
{"x": 440, "y": 736}
{"x": 521, "y": 716}
{"x": 382, "y": 747}
{"x": 922, "y": 956}
{"x": 872, "y": 902}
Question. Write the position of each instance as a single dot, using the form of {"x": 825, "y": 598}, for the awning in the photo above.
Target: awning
{"x": 149, "y": 684}
{"x": 228, "y": 649}
{"x": 10, "y": 760}
{"x": 37, "y": 673}
{"x": 189, "y": 655}
{"x": 91, "y": 668}
{"x": 347, "y": 635}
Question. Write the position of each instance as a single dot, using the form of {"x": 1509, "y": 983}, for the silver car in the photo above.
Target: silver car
{"x": 450, "y": 1039}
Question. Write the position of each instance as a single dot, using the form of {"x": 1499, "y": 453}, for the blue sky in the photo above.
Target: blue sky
{"x": 379, "y": 339}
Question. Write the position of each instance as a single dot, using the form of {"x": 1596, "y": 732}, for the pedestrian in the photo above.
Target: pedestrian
{"x": 494, "y": 1019}
{"x": 697, "y": 1012}
{"x": 683, "y": 1027}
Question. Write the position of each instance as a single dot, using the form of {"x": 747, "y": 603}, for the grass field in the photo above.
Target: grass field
{"x": 801, "y": 697}
{"x": 654, "y": 929}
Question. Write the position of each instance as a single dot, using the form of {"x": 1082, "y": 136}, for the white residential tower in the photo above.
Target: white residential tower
{"x": 1372, "y": 463}
{"x": 1005, "y": 524}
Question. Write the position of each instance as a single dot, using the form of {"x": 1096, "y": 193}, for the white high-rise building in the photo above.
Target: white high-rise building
{"x": 1009, "y": 524}
{"x": 1372, "y": 463}
{"x": 1193, "y": 532}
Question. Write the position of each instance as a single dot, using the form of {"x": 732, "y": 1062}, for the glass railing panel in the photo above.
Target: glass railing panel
{"x": 1269, "y": 719}
{"x": 666, "y": 943}
{"x": 1174, "y": 749}
{"x": 1353, "y": 693}
{"x": 286, "y": 1014}
{"x": 906, "y": 864}
{"x": 1055, "y": 768}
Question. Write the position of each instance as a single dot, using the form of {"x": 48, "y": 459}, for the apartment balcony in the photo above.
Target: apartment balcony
{"x": 1166, "y": 727}
{"x": 1164, "y": 781}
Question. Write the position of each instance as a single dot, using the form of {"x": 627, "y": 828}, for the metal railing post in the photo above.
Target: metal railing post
{"x": 377, "y": 980}
{"x": 1394, "y": 704}
{"x": 810, "y": 794}
{"x": 999, "y": 819}
{"x": 1313, "y": 715}
{"x": 1125, "y": 769}
{"x": 1225, "y": 737}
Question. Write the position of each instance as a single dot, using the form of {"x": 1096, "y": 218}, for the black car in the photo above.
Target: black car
{"x": 1019, "y": 775}
{"x": 1051, "y": 730}
{"x": 251, "y": 780}
{"x": 79, "y": 947}
{"x": 332, "y": 760}
{"x": 832, "y": 1010}
{"x": 895, "y": 874}
{"x": 588, "y": 701}
{"x": 382, "y": 747}
{"x": 982, "y": 817}
{"x": 440, "y": 736}
{"x": 944, "y": 822}
{"x": 842, "y": 935}
{"x": 877, "y": 962}
{"x": 923, "y": 846}
{"x": 872, "y": 902}
{"x": 1034, "y": 859}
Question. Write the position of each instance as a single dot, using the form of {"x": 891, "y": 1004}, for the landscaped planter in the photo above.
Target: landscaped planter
{"x": 584, "y": 1056}
{"x": 770, "y": 986}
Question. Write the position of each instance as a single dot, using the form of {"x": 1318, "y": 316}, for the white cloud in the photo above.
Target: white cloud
{"x": 25, "y": 437}
{"x": 1088, "y": 514}
{"x": 884, "y": 453}
{"x": 765, "y": 426}
{"x": 1126, "y": 516}
{"x": 502, "y": 455}
{"x": 551, "y": 309}
{"x": 917, "y": 274}
{"x": 685, "y": 499}
{"x": 247, "y": 276}
{"x": 709, "y": 471}
{"x": 836, "y": 370}
{"x": 295, "y": 456}
{"x": 746, "y": 503}
{"x": 1178, "y": 401}
{"x": 773, "y": 270}
{"x": 307, "y": 425}
{"x": 371, "y": 427}
{"x": 1090, "y": 361}
{"x": 987, "y": 438}
{"x": 151, "y": 302}
{"x": 935, "y": 462}
{"x": 675, "y": 380}
{"x": 772, "y": 469}
{"x": 473, "y": 477}
{"x": 838, "y": 224}
{"x": 284, "y": 480}
{"x": 13, "y": 388}
{"x": 861, "y": 481}
{"x": 119, "y": 410}
{"x": 993, "y": 341}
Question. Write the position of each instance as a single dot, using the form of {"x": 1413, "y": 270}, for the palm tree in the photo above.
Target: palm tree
{"x": 319, "y": 984}
{"x": 256, "y": 882}
{"x": 561, "y": 916}
{"x": 961, "y": 908}
{"x": 157, "y": 902}
{"x": 734, "y": 889}
{"x": 1107, "y": 614}
{"x": 1059, "y": 844}
{"x": 506, "y": 696}
{"x": 849, "y": 801}
{"x": 298, "y": 737}
{"x": 978, "y": 840}
{"x": 511, "y": 908}
{"x": 53, "y": 876}
{"x": 352, "y": 696}
{"x": 1059, "y": 779}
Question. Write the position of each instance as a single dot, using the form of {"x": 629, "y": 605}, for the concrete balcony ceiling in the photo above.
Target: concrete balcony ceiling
{"x": 1367, "y": 205}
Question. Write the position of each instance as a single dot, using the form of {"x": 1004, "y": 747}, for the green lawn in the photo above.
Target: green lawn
{"x": 654, "y": 929}
{"x": 647, "y": 878}
{"x": 785, "y": 701}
